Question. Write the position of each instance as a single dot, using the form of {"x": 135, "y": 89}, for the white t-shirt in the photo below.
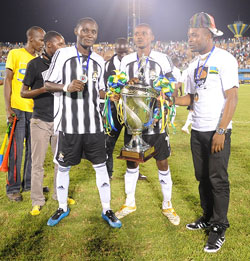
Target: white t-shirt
{"x": 177, "y": 74}
{"x": 219, "y": 74}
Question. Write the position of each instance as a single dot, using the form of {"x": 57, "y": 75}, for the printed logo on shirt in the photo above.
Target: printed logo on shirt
{"x": 21, "y": 73}
{"x": 213, "y": 70}
{"x": 95, "y": 76}
{"x": 61, "y": 157}
{"x": 203, "y": 77}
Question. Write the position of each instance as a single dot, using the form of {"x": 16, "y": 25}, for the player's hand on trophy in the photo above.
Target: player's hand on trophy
{"x": 75, "y": 86}
{"x": 133, "y": 81}
{"x": 115, "y": 97}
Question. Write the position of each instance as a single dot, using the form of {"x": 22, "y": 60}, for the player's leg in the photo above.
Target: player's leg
{"x": 69, "y": 152}
{"x": 94, "y": 151}
{"x": 162, "y": 147}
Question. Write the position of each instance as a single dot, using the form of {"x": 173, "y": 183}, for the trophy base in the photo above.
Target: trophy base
{"x": 141, "y": 157}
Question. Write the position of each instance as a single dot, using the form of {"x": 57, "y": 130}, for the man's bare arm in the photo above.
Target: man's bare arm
{"x": 7, "y": 94}
{"x": 27, "y": 93}
{"x": 230, "y": 106}
{"x": 184, "y": 100}
{"x": 74, "y": 86}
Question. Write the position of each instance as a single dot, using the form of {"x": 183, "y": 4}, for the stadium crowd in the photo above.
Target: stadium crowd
{"x": 178, "y": 50}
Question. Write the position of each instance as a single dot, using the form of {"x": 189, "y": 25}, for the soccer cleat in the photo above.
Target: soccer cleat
{"x": 142, "y": 177}
{"x": 198, "y": 224}
{"x": 110, "y": 217}
{"x": 35, "y": 210}
{"x": 71, "y": 201}
{"x": 45, "y": 189}
{"x": 57, "y": 217}
{"x": 124, "y": 211}
{"x": 215, "y": 240}
{"x": 172, "y": 216}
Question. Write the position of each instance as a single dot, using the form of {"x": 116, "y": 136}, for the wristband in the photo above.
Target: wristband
{"x": 65, "y": 88}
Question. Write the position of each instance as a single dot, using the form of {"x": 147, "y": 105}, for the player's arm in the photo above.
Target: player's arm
{"x": 184, "y": 100}
{"x": 7, "y": 94}
{"x": 178, "y": 86}
{"x": 102, "y": 94}
{"x": 230, "y": 106}
{"x": 27, "y": 93}
{"x": 74, "y": 86}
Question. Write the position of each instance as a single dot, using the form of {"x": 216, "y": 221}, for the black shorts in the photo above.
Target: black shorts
{"x": 162, "y": 146}
{"x": 72, "y": 148}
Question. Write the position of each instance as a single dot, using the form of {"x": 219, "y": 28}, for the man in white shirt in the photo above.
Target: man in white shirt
{"x": 213, "y": 90}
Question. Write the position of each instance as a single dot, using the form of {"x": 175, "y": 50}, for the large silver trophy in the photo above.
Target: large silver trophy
{"x": 138, "y": 101}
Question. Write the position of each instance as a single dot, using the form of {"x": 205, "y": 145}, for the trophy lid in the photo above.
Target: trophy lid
{"x": 139, "y": 90}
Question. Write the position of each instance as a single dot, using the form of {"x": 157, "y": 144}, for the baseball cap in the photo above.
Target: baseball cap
{"x": 204, "y": 20}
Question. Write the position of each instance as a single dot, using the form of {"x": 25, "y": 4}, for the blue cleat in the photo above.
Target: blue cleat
{"x": 57, "y": 217}
{"x": 110, "y": 217}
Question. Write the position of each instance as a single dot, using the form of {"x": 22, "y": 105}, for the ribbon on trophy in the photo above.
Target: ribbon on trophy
{"x": 116, "y": 83}
{"x": 165, "y": 87}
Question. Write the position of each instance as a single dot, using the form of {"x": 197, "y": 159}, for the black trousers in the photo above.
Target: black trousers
{"x": 111, "y": 140}
{"x": 211, "y": 172}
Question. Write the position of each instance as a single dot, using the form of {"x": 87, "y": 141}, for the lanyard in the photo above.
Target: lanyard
{"x": 197, "y": 77}
{"x": 84, "y": 68}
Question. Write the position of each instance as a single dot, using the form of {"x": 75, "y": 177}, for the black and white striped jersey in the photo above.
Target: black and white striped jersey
{"x": 112, "y": 64}
{"x": 77, "y": 112}
{"x": 156, "y": 64}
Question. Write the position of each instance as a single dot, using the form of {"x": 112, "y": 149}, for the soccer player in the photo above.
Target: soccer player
{"x": 16, "y": 64}
{"x": 76, "y": 73}
{"x": 156, "y": 64}
{"x": 213, "y": 90}
{"x": 121, "y": 49}
{"x": 42, "y": 125}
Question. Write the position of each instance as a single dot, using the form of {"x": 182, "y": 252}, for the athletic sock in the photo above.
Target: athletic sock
{"x": 166, "y": 187}
{"x": 131, "y": 178}
{"x": 103, "y": 185}
{"x": 62, "y": 186}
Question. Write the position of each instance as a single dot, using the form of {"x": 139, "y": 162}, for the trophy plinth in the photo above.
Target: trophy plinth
{"x": 138, "y": 102}
{"x": 137, "y": 150}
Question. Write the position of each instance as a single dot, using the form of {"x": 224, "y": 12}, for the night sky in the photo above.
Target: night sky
{"x": 169, "y": 19}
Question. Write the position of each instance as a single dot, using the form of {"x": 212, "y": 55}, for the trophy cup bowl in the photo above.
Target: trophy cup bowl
{"x": 138, "y": 101}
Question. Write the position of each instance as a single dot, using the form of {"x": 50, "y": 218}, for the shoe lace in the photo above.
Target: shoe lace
{"x": 215, "y": 234}
{"x": 110, "y": 214}
{"x": 58, "y": 213}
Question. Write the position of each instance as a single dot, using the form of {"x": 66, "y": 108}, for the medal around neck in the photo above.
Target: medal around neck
{"x": 84, "y": 78}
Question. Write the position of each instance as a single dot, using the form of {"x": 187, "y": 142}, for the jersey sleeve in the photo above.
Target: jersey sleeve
{"x": 189, "y": 85}
{"x": 229, "y": 73}
{"x": 101, "y": 79}
{"x": 30, "y": 75}
{"x": 54, "y": 73}
{"x": 10, "y": 63}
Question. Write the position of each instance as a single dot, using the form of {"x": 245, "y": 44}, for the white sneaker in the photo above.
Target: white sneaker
{"x": 172, "y": 216}
{"x": 124, "y": 211}
{"x": 185, "y": 130}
